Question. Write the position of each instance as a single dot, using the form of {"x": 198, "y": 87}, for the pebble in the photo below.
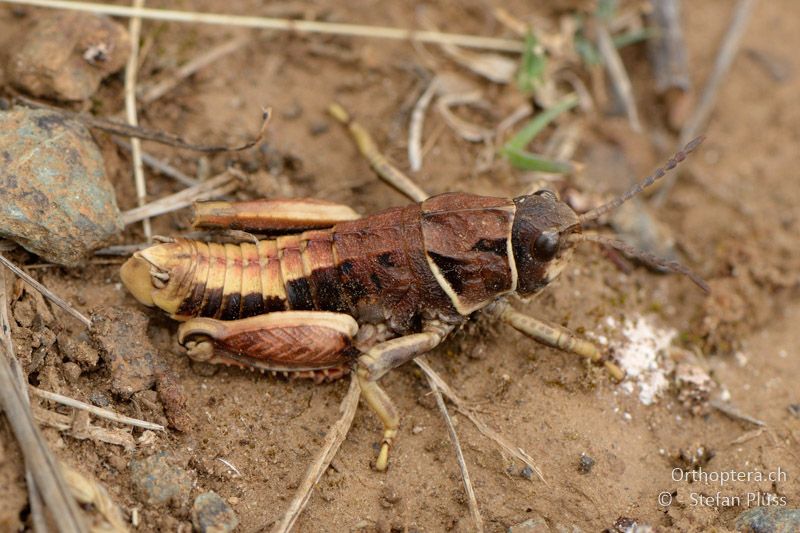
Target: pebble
{"x": 157, "y": 481}
{"x": 531, "y": 525}
{"x": 586, "y": 463}
{"x": 527, "y": 472}
{"x": 210, "y": 514}
{"x": 65, "y": 56}
{"x": 769, "y": 520}
{"x": 72, "y": 372}
{"x": 57, "y": 202}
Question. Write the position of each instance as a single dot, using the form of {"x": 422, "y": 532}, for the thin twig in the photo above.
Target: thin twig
{"x": 90, "y": 492}
{"x": 224, "y": 183}
{"x": 159, "y": 89}
{"x": 229, "y": 465}
{"x": 735, "y": 413}
{"x": 135, "y": 30}
{"x": 290, "y": 25}
{"x": 122, "y": 249}
{"x": 126, "y": 130}
{"x": 160, "y": 166}
{"x": 97, "y": 411}
{"x": 333, "y": 440}
{"x": 619, "y": 76}
{"x": 416, "y": 125}
{"x": 462, "y": 465}
{"x": 34, "y": 498}
{"x": 47, "y": 293}
{"x": 78, "y": 426}
{"x": 385, "y": 170}
{"x": 701, "y": 112}
{"x": 41, "y": 466}
{"x": 487, "y": 432}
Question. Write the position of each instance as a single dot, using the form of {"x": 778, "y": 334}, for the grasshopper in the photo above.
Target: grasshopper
{"x": 334, "y": 292}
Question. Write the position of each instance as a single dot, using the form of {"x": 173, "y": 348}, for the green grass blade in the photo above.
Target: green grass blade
{"x": 519, "y": 141}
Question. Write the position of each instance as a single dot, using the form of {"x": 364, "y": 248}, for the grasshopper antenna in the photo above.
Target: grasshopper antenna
{"x": 648, "y": 181}
{"x": 645, "y": 257}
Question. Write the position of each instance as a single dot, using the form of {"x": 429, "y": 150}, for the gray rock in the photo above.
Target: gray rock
{"x": 531, "y": 525}
{"x": 210, "y": 514}
{"x": 769, "y": 519}
{"x": 158, "y": 482}
{"x": 65, "y": 55}
{"x": 57, "y": 202}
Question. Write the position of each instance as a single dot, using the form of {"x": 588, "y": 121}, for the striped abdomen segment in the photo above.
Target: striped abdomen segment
{"x": 232, "y": 281}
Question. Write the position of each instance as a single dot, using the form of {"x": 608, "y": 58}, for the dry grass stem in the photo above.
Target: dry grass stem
{"x": 159, "y": 89}
{"x": 47, "y": 293}
{"x": 462, "y": 465}
{"x": 464, "y": 129}
{"x": 219, "y": 185}
{"x": 97, "y": 411}
{"x": 290, "y": 25}
{"x": 122, "y": 249}
{"x": 42, "y": 473}
{"x": 463, "y": 408}
{"x": 135, "y": 29}
{"x": 701, "y": 112}
{"x": 126, "y": 130}
{"x": 415, "y": 127}
{"x": 90, "y": 492}
{"x": 333, "y": 440}
{"x": 619, "y": 76}
{"x": 79, "y": 427}
{"x": 385, "y": 170}
{"x": 160, "y": 166}
{"x": 734, "y": 412}
{"x": 34, "y": 498}
{"x": 728, "y": 50}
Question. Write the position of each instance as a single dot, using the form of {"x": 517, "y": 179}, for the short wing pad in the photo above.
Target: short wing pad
{"x": 271, "y": 216}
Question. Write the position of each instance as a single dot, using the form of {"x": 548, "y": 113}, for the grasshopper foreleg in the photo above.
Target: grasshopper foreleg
{"x": 558, "y": 337}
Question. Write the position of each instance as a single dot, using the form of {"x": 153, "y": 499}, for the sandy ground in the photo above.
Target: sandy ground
{"x": 734, "y": 215}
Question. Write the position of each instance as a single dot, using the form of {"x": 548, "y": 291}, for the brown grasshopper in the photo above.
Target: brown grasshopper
{"x": 336, "y": 292}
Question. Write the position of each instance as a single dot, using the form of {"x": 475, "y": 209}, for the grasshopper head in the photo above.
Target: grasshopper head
{"x": 542, "y": 224}
{"x": 161, "y": 275}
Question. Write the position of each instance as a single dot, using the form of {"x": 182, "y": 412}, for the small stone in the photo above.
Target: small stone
{"x": 117, "y": 462}
{"x": 72, "y": 372}
{"x": 389, "y": 497}
{"x": 318, "y": 127}
{"x": 66, "y": 55}
{"x": 794, "y": 409}
{"x": 210, "y": 514}
{"x": 585, "y": 464}
{"x": 77, "y": 351}
{"x": 57, "y": 202}
{"x": 100, "y": 399}
{"x": 531, "y": 525}
{"x": 527, "y": 472}
{"x": 769, "y": 519}
{"x": 157, "y": 482}
{"x": 292, "y": 112}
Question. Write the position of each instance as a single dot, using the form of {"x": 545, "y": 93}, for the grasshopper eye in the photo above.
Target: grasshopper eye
{"x": 545, "y": 246}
